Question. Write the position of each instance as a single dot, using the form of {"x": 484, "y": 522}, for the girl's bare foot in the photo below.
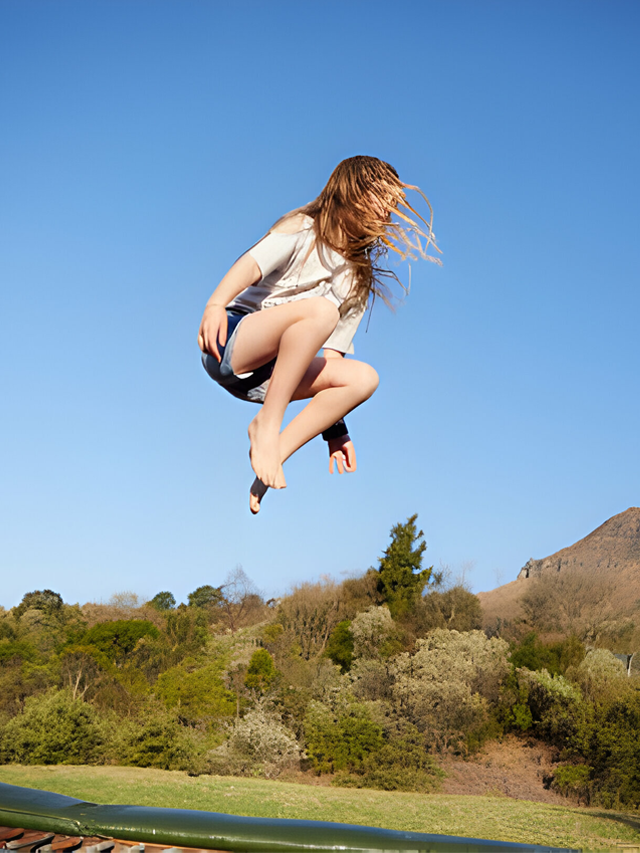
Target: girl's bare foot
{"x": 265, "y": 454}
{"x": 257, "y": 492}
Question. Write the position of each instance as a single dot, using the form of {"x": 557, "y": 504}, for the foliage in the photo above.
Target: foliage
{"x": 259, "y": 745}
{"x": 46, "y": 600}
{"x": 556, "y": 706}
{"x": 556, "y": 658}
{"x": 310, "y": 614}
{"x": 372, "y": 680}
{"x": 401, "y": 764}
{"x": 343, "y": 741}
{"x": 461, "y": 610}
{"x": 163, "y": 601}
{"x": 401, "y": 578}
{"x": 445, "y": 687}
{"x": 20, "y": 649}
{"x": 118, "y": 639}
{"x": 82, "y": 668}
{"x": 340, "y": 645}
{"x": 205, "y": 596}
{"x": 197, "y": 692}
{"x": 54, "y": 729}
{"x": 607, "y": 740}
{"x": 374, "y": 634}
{"x": 261, "y": 671}
{"x": 572, "y": 780}
{"x": 572, "y": 601}
{"x": 600, "y": 673}
{"x": 160, "y": 741}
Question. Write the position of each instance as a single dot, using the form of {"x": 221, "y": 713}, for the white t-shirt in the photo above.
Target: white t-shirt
{"x": 294, "y": 267}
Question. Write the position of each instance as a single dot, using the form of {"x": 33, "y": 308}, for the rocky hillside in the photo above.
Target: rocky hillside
{"x": 609, "y": 558}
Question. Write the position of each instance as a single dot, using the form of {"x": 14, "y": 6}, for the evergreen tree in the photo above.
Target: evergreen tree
{"x": 163, "y": 601}
{"x": 46, "y": 600}
{"x": 401, "y": 578}
{"x": 261, "y": 671}
{"x": 205, "y": 596}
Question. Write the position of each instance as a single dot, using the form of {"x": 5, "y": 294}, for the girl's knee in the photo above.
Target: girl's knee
{"x": 367, "y": 380}
{"x": 323, "y": 311}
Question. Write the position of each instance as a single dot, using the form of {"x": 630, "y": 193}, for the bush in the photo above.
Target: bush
{"x": 374, "y": 634}
{"x": 196, "y": 692}
{"x": 445, "y": 688}
{"x": 259, "y": 745}
{"x": 601, "y": 674}
{"x": 340, "y": 742}
{"x": 55, "y": 729}
{"x": 261, "y": 672}
{"x": 572, "y": 780}
{"x": 118, "y": 639}
{"x": 556, "y": 658}
{"x": 340, "y": 646}
{"x": 401, "y": 764}
{"x": 163, "y": 743}
{"x": 556, "y": 706}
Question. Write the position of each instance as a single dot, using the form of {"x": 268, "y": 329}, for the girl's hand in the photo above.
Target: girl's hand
{"x": 343, "y": 453}
{"x": 213, "y": 329}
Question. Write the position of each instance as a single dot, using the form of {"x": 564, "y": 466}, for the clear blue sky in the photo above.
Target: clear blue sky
{"x": 145, "y": 145}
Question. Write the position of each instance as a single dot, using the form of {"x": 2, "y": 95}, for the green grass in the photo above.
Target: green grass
{"x": 498, "y": 818}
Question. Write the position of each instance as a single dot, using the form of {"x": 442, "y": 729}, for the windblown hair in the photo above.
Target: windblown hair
{"x": 363, "y": 213}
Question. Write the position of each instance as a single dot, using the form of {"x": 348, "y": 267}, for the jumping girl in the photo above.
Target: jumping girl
{"x": 305, "y": 287}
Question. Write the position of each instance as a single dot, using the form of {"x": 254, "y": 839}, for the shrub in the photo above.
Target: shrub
{"x": 160, "y": 741}
{"x": 600, "y": 674}
{"x": 261, "y": 672}
{"x": 259, "y": 745}
{"x": 197, "y": 692}
{"x": 401, "y": 764}
{"x": 55, "y": 729}
{"x": 340, "y": 742}
{"x": 572, "y": 780}
{"x": 446, "y": 686}
{"x": 373, "y": 633}
{"x": 118, "y": 639}
{"x": 556, "y": 705}
{"x": 340, "y": 645}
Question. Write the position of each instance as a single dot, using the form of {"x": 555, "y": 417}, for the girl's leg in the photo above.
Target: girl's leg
{"x": 294, "y": 333}
{"x": 336, "y": 386}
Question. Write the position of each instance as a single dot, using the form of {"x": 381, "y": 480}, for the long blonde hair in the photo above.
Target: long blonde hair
{"x": 347, "y": 218}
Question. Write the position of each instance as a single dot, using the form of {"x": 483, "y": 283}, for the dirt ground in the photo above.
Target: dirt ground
{"x": 513, "y": 768}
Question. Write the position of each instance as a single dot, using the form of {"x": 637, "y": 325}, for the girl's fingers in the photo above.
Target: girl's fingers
{"x": 338, "y": 458}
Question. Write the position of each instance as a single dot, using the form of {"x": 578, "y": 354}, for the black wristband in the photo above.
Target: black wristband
{"x": 336, "y": 431}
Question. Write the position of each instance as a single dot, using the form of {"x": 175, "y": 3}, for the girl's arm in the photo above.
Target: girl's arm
{"x": 213, "y": 326}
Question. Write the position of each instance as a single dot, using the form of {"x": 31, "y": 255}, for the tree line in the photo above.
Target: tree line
{"x": 369, "y": 680}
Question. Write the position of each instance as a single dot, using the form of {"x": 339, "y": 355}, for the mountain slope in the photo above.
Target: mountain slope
{"x": 609, "y": 556}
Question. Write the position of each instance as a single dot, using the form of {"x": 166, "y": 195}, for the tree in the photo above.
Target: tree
{"x": 205, "y": 596}
{"x": 373, "y": 633}
{"x": 118, "y": 639}
{"x": 46, "y": 600}
{"x": 241, "y": 603}
{"x": 163, "y": 601}
{"x": 401, "y": 578}
{"x": 340, "y": 646}
{"x": 261, "y": 671}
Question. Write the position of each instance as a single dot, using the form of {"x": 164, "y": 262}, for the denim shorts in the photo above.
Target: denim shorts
{"x": 249, "y": 386}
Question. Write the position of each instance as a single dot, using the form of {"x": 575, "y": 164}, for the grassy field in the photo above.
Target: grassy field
{"x": 497, "y": 818}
